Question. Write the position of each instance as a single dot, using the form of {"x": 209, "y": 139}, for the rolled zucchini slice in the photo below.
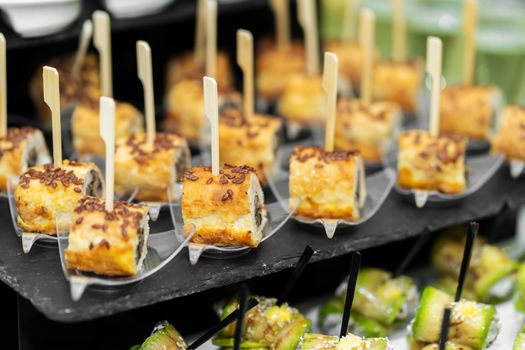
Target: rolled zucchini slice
{"x": 163, "y": 337}
{"x": 519, "y": 343}
{"x": 519, "y": 296}
{"x": 349, "y": 342}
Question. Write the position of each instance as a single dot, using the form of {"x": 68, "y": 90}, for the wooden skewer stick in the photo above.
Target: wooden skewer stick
{"x": 470, "y": 18}
{"x": 144, "y": 71}
{"x": 83, "y": 45}
{"x": 52, "y": 99}
{"x": 306, "y": 11}
{"x": 331, "y": 66}
{"x": 200, "y": 33}
{"x": 211, "y": 110}
{"x": 107, "y": 132}
{"x": 3, "y": 88}
{"x": 281, "y": 13}
{"x": 399, "y": 39}
{"x": 245, "y": 61}
{"x": 211, "y": 38}
{"x": 102, "y": 41}
{"x": 367, "y": 23}
{"x": 348, "y": 32}
{"x": 434, "y": 52}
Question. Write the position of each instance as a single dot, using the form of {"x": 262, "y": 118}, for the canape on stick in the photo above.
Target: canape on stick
{"x": 510, "y": 138}
{"x": 519, "y": 296}
{"x": 163, "y": 336}
{"x": 349, "y": 342}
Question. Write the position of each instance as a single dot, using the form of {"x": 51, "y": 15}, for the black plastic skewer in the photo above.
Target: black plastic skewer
{"x": 423, "y": 238}
{"x": 467, "y": 254}
{"x": 243, "y": 295}
{"x": 445, "y": 325}
{"x": 296, "y": 273}
{"x": 350, "y": 290}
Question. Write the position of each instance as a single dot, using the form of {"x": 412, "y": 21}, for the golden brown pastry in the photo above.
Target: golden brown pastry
{"x": 398, "y": 82}
{"x": 329, "y": 185}
{"x": 275, "y": 65}
{"x": 254, "y": 143}
{"x": 45, "y": 193}
{"x": 72, "y": 89}
{"x": 468, "y": 111}
{"x": 370, "y": 129}
{"x": 303, "y": 101}
{"x": 85, "y": 126}
{"x": 227, "y": 209}
{"x": 21, "y": 149}
{"x": 433, "y": 164}
{"x": 149, "y": 167}
{"x": 350, "y": 59}
{"x": 510, "y": 138}
{"x": 108, "y": 243}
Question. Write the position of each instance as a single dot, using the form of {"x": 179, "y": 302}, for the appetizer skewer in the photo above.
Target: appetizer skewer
{"x": 510, "y": 138}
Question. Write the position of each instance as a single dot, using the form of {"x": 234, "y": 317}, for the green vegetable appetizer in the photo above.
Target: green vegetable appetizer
{"x": 519, "y": 297}
{"x": 473, "y": 325}
{"x": 163, "y": 337}
{"x": 519, "y": 343}
{"x": 266, "y": 326}
{"x": 349, "y": 342}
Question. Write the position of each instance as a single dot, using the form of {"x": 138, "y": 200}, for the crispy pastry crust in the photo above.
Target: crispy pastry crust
{"x": 44, "y": 191}
{"x": 108, "y": 243}
{"x": 350, "y": 59}
{"x": 254, "y": 142}
{"x": 398, "y": 82}
{"x": 368, "y": 129}
{"x": 329, "y": 184}
{"x": 150, "y": 167}
{"x": 303, "y": 100}
{"x": 223, "y": 207}
{"x": 85, "y": 126}
{"x": 510, "y": 139}
{"x": 429, "y": 163}
{"x": 468, "y": 111}
{"x": 21, "y": 148}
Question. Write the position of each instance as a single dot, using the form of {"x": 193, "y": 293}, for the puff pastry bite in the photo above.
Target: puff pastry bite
{"x": 21, "y": 149}
{"x": 275, "y": 65}
{"x": 43, "y": 191}
{"x": 253, "y": 142}
{"x": 431, "y": 163}
{"x": 327, "y": 184}
{"x": 510, "y": 138}
{"x": 468, "y": 110}
{"x": 350, "y": 59}
{"x": 108, "y": 243}
{"x": 185, "y": 108}
{"x": 85, "y": 126}
{"x": 227, "y": 209}
{"x": 149, "y": 167}
{"x": 303, "y": 100}
{"x": 72, "y": 89}
{"x": 398, "y": 82}
{"x": 370, "y": 129}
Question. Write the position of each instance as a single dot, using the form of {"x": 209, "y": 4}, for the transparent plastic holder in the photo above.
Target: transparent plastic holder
{"x": 156, "y": 207}
{"x": 378, "y": 188}
{"x": 163, "y": 247}
{"x": 517, "y": 168}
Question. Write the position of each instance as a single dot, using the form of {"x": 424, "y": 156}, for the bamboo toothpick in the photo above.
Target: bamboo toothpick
{"x": 102, "y": 41}
{"x": 470, "y": 18}
{"x": 211, "y": 110}
{"x": 367, "y": 23}
{"x": 52, "y": 99}
{"x": 200, "y": 33}
{"x": 245, "y": 61}
{"x": 83, "y": 45}
{"x": 3, "y": 88}
{"x": 434, "y": 52}
{"x": 281, "y": 13}
{"x": 348, "y": 32}
{"x": 107, "y": 132}
{"x": 144, "y": 71}
{"x": 331, "y": 66}
{"x": 399, "y": 24}
{"x": 211, "y": 38}
{"x": 306, "y": 10}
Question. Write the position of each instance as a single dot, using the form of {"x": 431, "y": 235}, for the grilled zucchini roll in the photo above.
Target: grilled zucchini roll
{"x": 510, "y": 138}
{"x": 45, "y": 191}
{"x": 519, "y": 343}
{"x": 519, "y": 295}
{"x": 108, "y": 243}
{"x": 163, "y": 337}
{"x": 348, "y": 342}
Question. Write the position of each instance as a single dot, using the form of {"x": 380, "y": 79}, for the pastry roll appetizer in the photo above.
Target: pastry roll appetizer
{"x": 473, "y": 325}
{"x": 468, "y": 110}
{"x": 349, "y": 342}
{"x": 370, "y": 129}
{"x": 253, "y": 142}
{"x": 163, "y": 337}
{"x": 20, "y": 149}
{"x": 227, "y": 209}
{"x": 398, "y": 82}
{"x": 149, "y": 167}
{"x": 510, "y": 138}
{"x": 431, "y": 163}
{"x": 85, "y": 126}
{"x": 108, "y": 243}
{"x": 43, "y": 191}
{"x": 327, "y": 184}
{"x": 350, "y": 60}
